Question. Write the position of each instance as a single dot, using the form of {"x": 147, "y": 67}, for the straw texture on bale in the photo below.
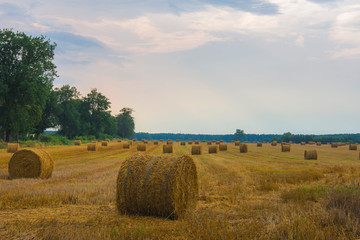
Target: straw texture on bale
{"x": 243, "y": 148}
{"x": 352, "y": 147}
{"x": 259, "y": 144}
{"x": 274, "y": 143}
{"x": 92, "y": 146}
{"x": 31, "y": 163}
{"x": 285, "y": 147}
{"x": 310, "y": 155}
{"x": 126, "y": 145}
{"x": 164, "y": 186}
{"x": 213, "y": 149}
{"x": 77, "y": 142}
{"x": 141, "y": 147}
{"x": 196, "y": 150}
{"x": 167, "y": 148}
{"x": 13, "y": 147}
{"x": 222, "y": 147}
{"x": 182, "y": 143}
{"x": 237, "y": 143}
{"x": 104, "y": 143}
{"x": 334, "y": 145}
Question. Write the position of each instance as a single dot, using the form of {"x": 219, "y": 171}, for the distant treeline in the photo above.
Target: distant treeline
{"x": 286, "y": 137}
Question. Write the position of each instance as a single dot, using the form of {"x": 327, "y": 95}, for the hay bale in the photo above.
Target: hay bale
{"x": 119, "y": 140}
{"x": 31, "y": 163}
{"x": 156, "y": 142}
{"x": 222, "y": 147}
{"x": 77, "y": 142}
{"x": 243, "y": 148}
{"x": 161, "y": 140}
{"x": 196, "y": 150}
{"x": 104, "y": 143}
{"x": 209, "y": 143}
{"x": 182, "y": 143}
{"x": 141, "y": 147}
{"x": 221, "y": 141}
{"x": 204, "y": 141}
{"x": 285, "y": 147}
{"x": 190, "y": 142}
{"x": 167, "y": 148}
{"x": 274, "y": 143}
{"x": 163, "y": 186}
{"x": 13, "y": 147}
{"x": 196, "y": 142}
{"x": 352, "y": 147}
{"x": 310, "y": 155}
{"x": 302, "y": 143}
{"x": 334, "y": 145}
{"x": 213, "y": 149}
{"x": 311, "y": 143}
{"x": 177, "y": 140}
{"x": 92, "y": 146}
{"x": 259, "y": 144}
{"x": 134, "y": 140}
{"x": 237, "y": 143}
{"x": 213, "y": 141}
{"x": 169, "y": 141}
{"x": 108, "y": 140}
{"x": 217, "y": 142}
{"x": 318, "y": 144}
{"x": 126, "y": 145}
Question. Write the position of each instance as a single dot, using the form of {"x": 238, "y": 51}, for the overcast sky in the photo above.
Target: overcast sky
{"x": 208, "y": 66}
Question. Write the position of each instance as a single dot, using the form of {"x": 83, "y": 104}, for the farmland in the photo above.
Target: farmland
{"x": 261, "y": 194}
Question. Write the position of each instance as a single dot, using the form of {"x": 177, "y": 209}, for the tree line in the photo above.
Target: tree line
{"x": 29, "y": 104}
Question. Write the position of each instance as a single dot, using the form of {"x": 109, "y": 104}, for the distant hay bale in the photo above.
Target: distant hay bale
{"x": 167, "y": 148}
{"x": 302, "y": 143}
{"x": 334, "y": 145}
{"x": 161, "y": 140}
{"x": 169, "y": 141}
{"x": 285, "y": 147}
{"x": 352, "y": 147}
{"x": 163, "y": 186}
{"x": 31, "y": 163}
{"x": 190, "y": 142}
{"x": 13, "y": 147}
{"x": 310, "y": 155}
{"x": 92, "y": 146}
{"x": 311, "y": 143}
{"x": 243, "y": 148}
{"x": 217, "y": 142}
{"x": 177, "y": 140}
{"x": 95, "y": 141}
{"x": 182, "y": 143}
{"x": 237, "y": 143}
{"x": 196, "y": 142}
{"x": 141, "y": 147}
{"x": 156, "y": 142}
{"x": 221, "y": 141}
{"x": 318, "y": 144}
{"x": 77, "y": 142}
{"x": 196, "y": 150}
{"x": 213, "y": 149}
{"x": 104, "y": 143}
{"x": 274, "y": 143}
{"x": 259, "y": 144}
{"x": 134, "y": 140}
{"x": 222, "y": 147}
{"x": 204, "y": 141}
{"x": 213, "y": 141}
{"x": 119, "y": 140}
{"x": 126, "y": 145}
{"x": 108, "y": 140}
{"x": 209, "y": 143}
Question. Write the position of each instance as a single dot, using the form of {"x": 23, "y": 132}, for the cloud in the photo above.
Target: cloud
{"x": 299, "y": 42}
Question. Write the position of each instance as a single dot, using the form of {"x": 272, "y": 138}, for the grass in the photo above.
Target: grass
{"x": 262, "y": 194}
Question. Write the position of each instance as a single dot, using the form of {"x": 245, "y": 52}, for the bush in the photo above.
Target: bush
{"x": 45, "y": 138}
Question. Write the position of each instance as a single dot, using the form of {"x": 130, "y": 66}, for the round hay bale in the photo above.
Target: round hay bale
{"x": 156, "y": 142}
{"x": 217, "y": 142}
{"x": 134, "y": 140}
{"x": 352, "y": 147}
{"x": 285, "y": 147}
{"x": 167, "y": 148}
{"x": 204, "y": 141}
{"x": 318, "y": 144}
{"x": 222, "y": 147}
{"x": 190, "y": 142}
{"x": 182, "y": 143}
{"x": 161, "y": 140}
{"x": 119, "y": 140}
{"x": 310, "y": 155}
{"x": 77, "y": 142}
{"x": 169, "y": 141}
{"x": 243, "y": 148}
{"x": 177, "y": 140}
{"x": 141, "y": 147}
{"x": 221, "y": 141}
{"x": 214, "y": 141}
{"x": 334, "y": 145}
{"x": 311, "y": 143}
{"x": 104, "y": 143}
{"x": 302, "y": 143}
{"x": 213, "y": 149}
{"x": 126, "y": 145}
{"x": 92, "y": 146}
{"x": 31, "y": 163}
{"x": 164, "y": 186}
{"x": 13, "y": 147}
{"x": 259, "y": 144}
{"x": 196, "y": 142}
{"x": 274, "y": 143}
{"x": 196, "y": 150}
{"x": 237, "y": 143}
{"x": 209, "y": 143}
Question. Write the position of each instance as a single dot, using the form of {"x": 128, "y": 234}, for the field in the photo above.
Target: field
{"x": 262, "y": 194}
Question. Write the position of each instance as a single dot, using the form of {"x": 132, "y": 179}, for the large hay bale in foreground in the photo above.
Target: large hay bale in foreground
{"x": 13, "y": 147}
{"x": 92, "y": 146}
{"x": 164, "y": 186}
{"x": 167, "y": 148}
{"x": 213, "y": 149}
{"x": 310, "y": 155}
{"x": 196, "y": 150}
{"x": 182, "y": 143}
{"x": 352, "y": 147}
{"x": 334, "y": 145}
{"x": 104, "y": 143}
{"x": 285, "y": 147}
{"x": 126, "y": 145}
{"x": 77, "y": 142}
{"x": 31, "y": 163}
{"x": 222, "y": 147}
{"x": 259, "y": 144}
{"x": 243, "y": 148}
{"x": 141, "y": 147}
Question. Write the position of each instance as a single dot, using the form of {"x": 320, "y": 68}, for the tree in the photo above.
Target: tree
{"x": 26, "y": 77}
{"x": 125, "y": 123}
{"x": 239, "y": 134}
{"x": 287, "y": 137}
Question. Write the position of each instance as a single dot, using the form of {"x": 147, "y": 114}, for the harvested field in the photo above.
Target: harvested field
{"x": 264, "y": 194}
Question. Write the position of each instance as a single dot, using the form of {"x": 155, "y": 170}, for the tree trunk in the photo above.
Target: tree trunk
{"x": 8, "y": 136}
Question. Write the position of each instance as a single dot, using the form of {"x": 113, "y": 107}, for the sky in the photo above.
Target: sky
{"x": 208, "y": 66}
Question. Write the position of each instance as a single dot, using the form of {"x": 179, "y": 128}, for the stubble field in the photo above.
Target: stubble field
{"x": 262, "y": 194}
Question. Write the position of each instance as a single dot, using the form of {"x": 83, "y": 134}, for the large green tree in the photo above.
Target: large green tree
{"x": 125, "y": 123}
{"x": 26, "y": 78}
{"x": 239, "y": 135}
